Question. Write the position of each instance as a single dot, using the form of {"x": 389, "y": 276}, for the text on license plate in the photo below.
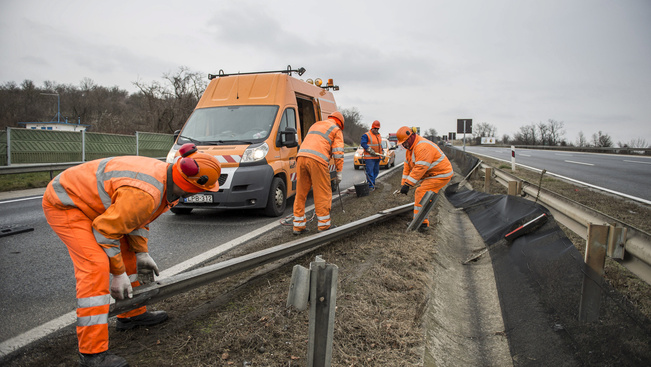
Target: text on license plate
{"x": 200, "y": 198}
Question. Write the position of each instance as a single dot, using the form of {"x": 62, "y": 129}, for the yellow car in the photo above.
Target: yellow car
{"x": 389, "y": 159}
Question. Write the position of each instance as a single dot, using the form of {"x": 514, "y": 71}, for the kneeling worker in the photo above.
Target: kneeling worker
{"x": 425, "y": 163}
{"x": 325, "y": 139}
{"x": 101, "y": 210}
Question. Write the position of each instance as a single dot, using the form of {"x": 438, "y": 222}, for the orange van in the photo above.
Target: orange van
{"x": 253, "y": 123}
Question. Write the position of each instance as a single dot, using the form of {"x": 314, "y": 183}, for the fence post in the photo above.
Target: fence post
{"x": 137, "y": 144}
{"x": 595, "y": 259}
{"x": 8, "y": 146}
{"x": 83, "y": 145}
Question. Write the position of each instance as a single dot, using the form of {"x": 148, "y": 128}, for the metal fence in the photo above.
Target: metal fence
{"x": 28, "y": 146}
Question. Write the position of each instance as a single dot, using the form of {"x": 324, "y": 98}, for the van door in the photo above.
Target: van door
{"x": 288, "y": 155}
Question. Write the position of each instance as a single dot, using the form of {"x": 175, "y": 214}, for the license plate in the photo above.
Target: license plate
{"x": 199, "y": 198}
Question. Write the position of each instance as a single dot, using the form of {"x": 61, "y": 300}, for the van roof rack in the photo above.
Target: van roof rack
{"x": 289, "y": 71}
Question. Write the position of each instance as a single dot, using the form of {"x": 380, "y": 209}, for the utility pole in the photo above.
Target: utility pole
{"x": 58, "y": 104}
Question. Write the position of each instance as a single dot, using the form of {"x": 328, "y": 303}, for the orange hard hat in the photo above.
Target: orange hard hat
{"x": 403, "y": 134}
{"x": 376, "y": 124}
{"x": 195, "y": 171}
{"x": 337, "y": 115}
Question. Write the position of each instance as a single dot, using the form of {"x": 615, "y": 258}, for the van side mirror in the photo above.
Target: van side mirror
{"x": 287, "y": 138}
{"x": 176, "y": 134}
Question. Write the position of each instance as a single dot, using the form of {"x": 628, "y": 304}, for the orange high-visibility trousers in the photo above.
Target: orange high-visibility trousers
{"x": 91, "y": 266}
{"x": 431, "y": 184}
{"x": 312, "y": 174}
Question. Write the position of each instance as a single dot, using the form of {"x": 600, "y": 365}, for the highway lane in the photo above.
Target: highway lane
{"x": 623, "y": 174}
{"x": 36, "y": 275}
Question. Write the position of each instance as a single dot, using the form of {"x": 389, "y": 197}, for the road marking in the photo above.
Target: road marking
{"x": 586, "y": 164}
{"x": 637, "y": 162}
{"x": 570, "y": 154}
{"x": 524, "y": 155}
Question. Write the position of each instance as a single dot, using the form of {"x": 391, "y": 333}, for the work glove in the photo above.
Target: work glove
{"x": 146, "y": 264}
{"x": 121, "y": 286}
{"x": 404, "y": 189}
{"x": 340, "y": 176}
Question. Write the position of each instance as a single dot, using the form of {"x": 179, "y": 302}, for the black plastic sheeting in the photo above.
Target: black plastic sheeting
{"x": 539, "y": 279}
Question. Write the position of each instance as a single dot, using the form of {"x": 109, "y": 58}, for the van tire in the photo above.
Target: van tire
{"x": 277, "y": 200}
{"x": 181, "y": 211}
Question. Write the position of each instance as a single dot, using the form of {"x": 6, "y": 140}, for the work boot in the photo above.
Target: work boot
{"x": 148, "y": 318}
{"x": 332, "y": 226}
{"x": 424, "y": 227}
{"x": 297, "y": 233}
{"x": 104, "y": 359}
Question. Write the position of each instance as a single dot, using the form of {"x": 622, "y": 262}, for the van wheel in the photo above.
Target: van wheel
{"x": 181, "y": 210}
{"x": 277, "y": 200}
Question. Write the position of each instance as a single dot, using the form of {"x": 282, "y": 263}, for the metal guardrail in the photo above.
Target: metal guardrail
{"x": 623, "y": 150}
{"x": 578, "y": 217}
{"x": 180, "y": 283}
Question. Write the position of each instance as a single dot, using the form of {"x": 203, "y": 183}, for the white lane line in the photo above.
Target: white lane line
{"x": 570, "y": 154}
{"x": 585, "y": 164}
{"x": 637, "y": 162}
{"x": 524, "y": 155}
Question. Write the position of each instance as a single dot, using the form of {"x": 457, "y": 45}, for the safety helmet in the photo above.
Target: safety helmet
{"x": 376, "y": 124}
{"x": 337, "y": 115}
{"x": 403, "y": 134}
{"x": 195, "y": 171}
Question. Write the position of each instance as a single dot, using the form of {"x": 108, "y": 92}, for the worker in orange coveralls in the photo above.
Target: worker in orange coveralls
{"x": 426, "y": 164}
{"x": 101, "y": 210}
{"x": 325, "y": 139}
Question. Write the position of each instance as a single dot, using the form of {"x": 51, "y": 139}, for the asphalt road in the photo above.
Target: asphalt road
{"x": 36, "y": 274}
{"x": 621, "y": 174}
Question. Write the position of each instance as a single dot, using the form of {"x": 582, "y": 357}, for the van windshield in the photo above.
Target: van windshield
{"x": 231, "y": 125}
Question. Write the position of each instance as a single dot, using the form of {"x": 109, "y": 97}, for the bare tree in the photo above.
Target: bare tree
{"x": 506, "y": 139}
{"x": 353, "y": 129}
{"x": 602, "y": 140}
{"x": 581, "y": 140}
{"x": 431, "y": 134}
{"x": 555, "y": 132}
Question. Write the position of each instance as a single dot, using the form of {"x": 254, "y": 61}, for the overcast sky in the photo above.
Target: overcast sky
{"x": 423, "y": 63}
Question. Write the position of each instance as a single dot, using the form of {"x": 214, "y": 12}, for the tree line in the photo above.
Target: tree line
{"x": 157, "y": 107}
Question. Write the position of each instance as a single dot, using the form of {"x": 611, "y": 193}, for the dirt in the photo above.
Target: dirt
{"x": 387, "y": 278}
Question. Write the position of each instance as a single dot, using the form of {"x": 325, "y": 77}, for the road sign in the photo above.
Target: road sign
{"x": 460, "y": 126}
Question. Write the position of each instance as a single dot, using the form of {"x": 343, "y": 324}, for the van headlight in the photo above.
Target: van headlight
{"x": 170, "y": 155}
{"x": 253, "y": 154}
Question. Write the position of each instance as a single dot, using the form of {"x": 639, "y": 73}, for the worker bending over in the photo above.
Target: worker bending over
{"x": 101, "y": 210}
{"x": 426, "y": 164}
{"x": 372, "y": 144}
{"x": 325, "y": 139}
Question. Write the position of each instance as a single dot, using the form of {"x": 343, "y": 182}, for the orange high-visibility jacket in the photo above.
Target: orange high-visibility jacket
{"x": 324, "y": 140}
{"x": 425, "y": 160}
{"x": 120, "y": 195}
{"x": 374, "y": 142}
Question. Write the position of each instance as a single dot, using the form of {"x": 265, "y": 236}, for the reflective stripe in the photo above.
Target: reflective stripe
{"x": 322, "y": 223}
{"x": 92, "y": 320}
{"x": 338, "y": 156}
{"x": 441, "y": 175}
{"x": 325, "y": 217}
{"x": 405, "y": 176}
{"x": 142, "y": 232}
{"x": 324, "y": 136}
{"x": 111, "y": 251}
{"x": 61, "y": 193}
{"x": 93, "y": 301}
{"x": 318, "y": 154}
{"x": 299, "y": 224}
{"x": 103, "y": 240}
{"x": 102, "y": 176}
{"x": 338, "y": 150}
{"x": 299, "y": 218}
{"x": 411, "y": 179}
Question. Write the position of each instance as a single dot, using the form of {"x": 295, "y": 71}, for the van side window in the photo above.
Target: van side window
{"x": 288, "y": 120}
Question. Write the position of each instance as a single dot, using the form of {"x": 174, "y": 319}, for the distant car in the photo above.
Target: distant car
{"x": 389, "y": 159}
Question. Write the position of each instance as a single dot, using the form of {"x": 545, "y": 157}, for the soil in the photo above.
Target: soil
{"x": 386, "y": 279}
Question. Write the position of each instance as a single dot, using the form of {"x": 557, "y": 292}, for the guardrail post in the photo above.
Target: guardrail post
{"x": 319, "y": 284}
{"x": 513, "y": 188}
{"x": 595, "y": 259}
{"x": 616, "y": 242}
{"x": 487, "y": 179}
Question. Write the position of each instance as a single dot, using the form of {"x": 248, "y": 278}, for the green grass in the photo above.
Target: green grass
{"x": 22, "y": 181}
